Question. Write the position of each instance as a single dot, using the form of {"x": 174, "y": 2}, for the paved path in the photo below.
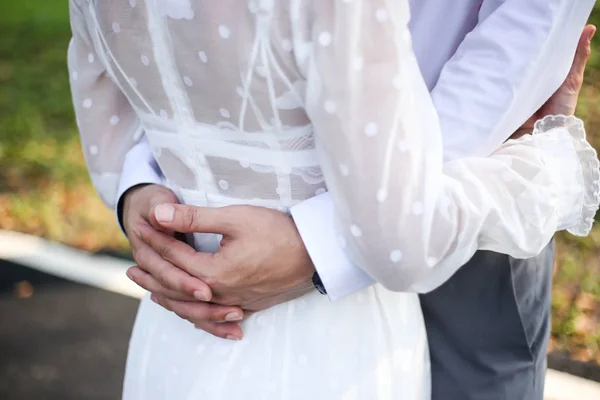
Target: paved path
{"x": 67, "y": 341}
{"x": 561, "y": 386}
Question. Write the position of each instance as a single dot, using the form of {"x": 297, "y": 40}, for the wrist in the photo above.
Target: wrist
{"x": 127, "y": 200}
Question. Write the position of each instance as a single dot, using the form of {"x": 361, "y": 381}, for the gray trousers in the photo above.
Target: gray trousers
{"x": 489, "y": 327}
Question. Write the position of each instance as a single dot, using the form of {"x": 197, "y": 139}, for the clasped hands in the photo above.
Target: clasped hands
{"x": 262, "y": 260}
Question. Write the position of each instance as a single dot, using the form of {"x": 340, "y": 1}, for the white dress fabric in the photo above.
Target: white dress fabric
{"x": 261, "y": 103}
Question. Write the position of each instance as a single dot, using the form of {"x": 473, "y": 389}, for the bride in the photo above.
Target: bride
{"x": 261, "y": 103}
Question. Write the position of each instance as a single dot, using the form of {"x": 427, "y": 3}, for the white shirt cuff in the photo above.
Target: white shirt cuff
{"x": 315, "y": 220}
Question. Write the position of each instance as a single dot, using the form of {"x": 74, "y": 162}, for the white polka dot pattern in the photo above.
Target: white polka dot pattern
{"x": 382, "y": 195}
{"x": 417, "y": 208}
{"x": 381, "y": 15}
{"x": 259, "y": 107}
{"x": 356, "y": 231}
{"x": 325, "y": 39}
{"x": 371, "y": 129}
{"x": 330, "y": 106}
{"x": 223, "y": 184}
{"x": 396, "y": 256}
{"x": 358, "y": 63}
{"x": 224, "y": 113}
{"x": 224, "y": 32}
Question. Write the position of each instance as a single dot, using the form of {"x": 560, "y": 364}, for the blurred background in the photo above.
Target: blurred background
{"x": 45, "y": 190}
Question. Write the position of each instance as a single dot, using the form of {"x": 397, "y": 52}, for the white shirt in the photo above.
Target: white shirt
{"x": 508, "y": 60}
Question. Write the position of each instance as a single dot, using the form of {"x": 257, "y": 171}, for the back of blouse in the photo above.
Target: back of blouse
{"x": 229, "y": 92}
{"x": 217, "y": 87}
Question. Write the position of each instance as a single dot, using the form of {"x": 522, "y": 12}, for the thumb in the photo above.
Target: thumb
{"x": 192, "y": 219}
{"x": 584, "y": 50}
{"x": 160, "y": 197}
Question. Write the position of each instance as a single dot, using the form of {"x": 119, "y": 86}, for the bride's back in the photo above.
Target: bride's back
{"x": 219, "y": 89}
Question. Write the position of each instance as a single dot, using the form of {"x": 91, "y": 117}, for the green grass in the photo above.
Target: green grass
{"x": 45, "y": 189}
{"x": 44, "y": 186}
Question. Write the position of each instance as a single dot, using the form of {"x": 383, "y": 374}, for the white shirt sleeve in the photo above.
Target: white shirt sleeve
{"x": 507, "y": 68}
{"x": 488, "y": 126}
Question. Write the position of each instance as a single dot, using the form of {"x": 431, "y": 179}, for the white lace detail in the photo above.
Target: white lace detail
{"x": 577, "y": 217}
{"x": 246, "y": 105}
{"x": 176, "y": 9}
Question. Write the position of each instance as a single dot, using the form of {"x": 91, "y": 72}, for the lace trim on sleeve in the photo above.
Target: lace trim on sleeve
{"x": 581, "y": 173}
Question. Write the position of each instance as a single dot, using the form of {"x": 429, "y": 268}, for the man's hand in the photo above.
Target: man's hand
{"x": 564, "y": 100}
{"x": 262, "y": 258}
{"x": 163, "y": 279}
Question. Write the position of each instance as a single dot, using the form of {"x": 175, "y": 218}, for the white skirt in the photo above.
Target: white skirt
{"x": 371, "y": 345}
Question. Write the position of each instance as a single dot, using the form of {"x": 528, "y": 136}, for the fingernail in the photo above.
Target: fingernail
{"x": 200, "y": 295}
{"x": 592, "y": 34}
{"x": 231, "y": 337}
{"x": 129, "y": 275}
{"x": 154, "y": 299}
{"x": 165, "y": 213}
{"x": 234, "y": 316}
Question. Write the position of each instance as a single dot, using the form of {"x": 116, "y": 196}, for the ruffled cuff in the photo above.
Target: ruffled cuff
{"x": 574, "y": 163}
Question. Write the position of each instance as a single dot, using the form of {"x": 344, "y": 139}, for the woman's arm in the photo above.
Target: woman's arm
{"x": 107, "y": 123}
{"x": 404, "y": 217}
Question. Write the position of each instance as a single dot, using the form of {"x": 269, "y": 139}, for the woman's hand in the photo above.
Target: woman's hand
{"x": 564, "y": 100}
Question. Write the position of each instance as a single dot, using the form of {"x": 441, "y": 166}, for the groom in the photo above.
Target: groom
{"x": 488, "y": 326}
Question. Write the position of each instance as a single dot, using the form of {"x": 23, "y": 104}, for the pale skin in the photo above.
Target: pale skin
{"x": 262, "y": 260}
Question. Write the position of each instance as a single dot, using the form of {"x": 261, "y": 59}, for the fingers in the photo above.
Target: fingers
{"x": 198, "y": 311}
{"x": 177, "y": 253}
{"x": 228, "y": 330}
{"x": 191, "y": 219}
{"x": 154, "y": 201}
{"x": 584, "y": 50}
{"x": 167, "y": 274}
{"x": 212, "y": 318}
{"x": 564, "y": 100}
{"x": 146, "y": 281}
